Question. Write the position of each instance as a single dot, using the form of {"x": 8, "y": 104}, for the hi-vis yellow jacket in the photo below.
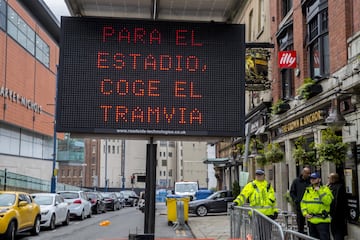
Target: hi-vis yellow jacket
{"x": 261, "y": 197}
{"x": 317, "y": 204}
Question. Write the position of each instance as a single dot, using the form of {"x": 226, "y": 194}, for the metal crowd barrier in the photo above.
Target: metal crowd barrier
{"x": 249, "y": 224}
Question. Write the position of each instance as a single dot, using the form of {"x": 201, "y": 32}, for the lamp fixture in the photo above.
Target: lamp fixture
{"x": 335, "y": 118}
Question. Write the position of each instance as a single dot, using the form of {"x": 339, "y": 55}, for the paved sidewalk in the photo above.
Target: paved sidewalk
{"x": 215, "y": 226}
{"x": 211, "y": 226}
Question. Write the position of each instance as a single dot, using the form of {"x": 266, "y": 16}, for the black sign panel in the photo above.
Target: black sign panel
{"x": 151, "y": 78}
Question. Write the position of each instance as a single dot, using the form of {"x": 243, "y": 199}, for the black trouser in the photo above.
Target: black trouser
{"x": 320, "y": 230}
{"x": 338, "y": 230}
{"x": 300, "y": 220}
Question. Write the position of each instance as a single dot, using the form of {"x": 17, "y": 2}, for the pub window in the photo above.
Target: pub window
{"x": 287, "y": 83}
{"x": 285, "y": 40}
{"x": 318, "y": 38}
{"x": 286, "y": 7}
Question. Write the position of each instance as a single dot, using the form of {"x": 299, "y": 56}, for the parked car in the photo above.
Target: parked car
{"x": 79, "y": 203}
{"x": 215, "y": 203}
{"x": 18, "y": 213}
{"x": 131, "y": 198}
{"x": 54, "y": 210}
{"x": 111, "y": 201}
{"x": 141, "y": 202}
{"x": 121, "y": 198}
{"x": 97, "y": 201}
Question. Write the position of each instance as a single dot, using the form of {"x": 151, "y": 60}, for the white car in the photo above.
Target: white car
{"x": 79, "y": 203}
{"x": 54, "y": 210}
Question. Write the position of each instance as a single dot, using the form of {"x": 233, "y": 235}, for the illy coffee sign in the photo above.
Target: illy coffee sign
{"x": 287, "y": 59}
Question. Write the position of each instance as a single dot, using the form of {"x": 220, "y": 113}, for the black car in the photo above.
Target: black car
{"x": 131, "y": 198}
{"x": 111, "y": 201}
{"x": 121, "y": 198}
{"x": 215, "y": 203}
{"x": 97, "y": 202}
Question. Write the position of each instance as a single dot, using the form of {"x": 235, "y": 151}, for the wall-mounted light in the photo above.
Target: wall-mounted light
{"x": 335, "y": 118}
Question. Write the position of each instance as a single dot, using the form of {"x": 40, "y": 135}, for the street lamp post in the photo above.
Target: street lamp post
{"x": 106, "y": 179}
{"x": 54, "y": 172}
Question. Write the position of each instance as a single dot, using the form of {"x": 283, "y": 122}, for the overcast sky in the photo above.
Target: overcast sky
{"x": 58, "y": 7}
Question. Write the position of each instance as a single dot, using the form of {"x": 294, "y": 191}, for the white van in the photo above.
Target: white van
{"x": 186, "y": 189}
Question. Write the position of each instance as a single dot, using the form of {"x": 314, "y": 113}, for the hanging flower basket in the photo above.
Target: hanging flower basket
{"x": 309, "y": 89}
{"x": 261, "y": 159}
{"x": 273, "y": 153}
{"x": 332, "y": 148}
{"x": 279, "y": 107}
{"x": 303, "y": 156}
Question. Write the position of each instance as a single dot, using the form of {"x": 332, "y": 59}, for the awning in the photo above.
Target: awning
{"x": 217, "y": 161}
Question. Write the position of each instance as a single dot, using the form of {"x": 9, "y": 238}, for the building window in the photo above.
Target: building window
{"x": 251, "y": 18}
{"x": 164, "y": 163}
{"x": 118, "y": 149}
{"x": 3, "y": 15}
{"x": 287, "y": 83}
{"x": 286, "y": 7}
{"x": 285, "y": 41}
{"x": 74, "y": 173}
{"x": 42, "y": 51}
{"x": 170, "y": 154}
{"x": 93, "y": 160}
{"x": 170, "y": 173}
{"x": 113, "y": 149}
{"x": 261, "y": 16}
{"x": 160, "y": 173}
{"x": 20, "y": 31}
{"x": 109, "y": 149}
{"x": 93, "y": 149}
{"x": 318, "y": 38}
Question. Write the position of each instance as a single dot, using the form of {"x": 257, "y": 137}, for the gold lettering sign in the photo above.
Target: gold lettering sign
{"x": 303, "y": 121}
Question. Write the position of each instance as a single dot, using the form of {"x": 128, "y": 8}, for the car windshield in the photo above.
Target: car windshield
{"x": 214, "y": 195}
{"x": 69, "y": 195}
{"x": 128, "y": 193}
{"x": 185, "y": 187}
{"x": 7, "y": 199}
{"x": 91, "y": 195}
{"x": 107, "y": 194}
{"x": 43, "y": 200}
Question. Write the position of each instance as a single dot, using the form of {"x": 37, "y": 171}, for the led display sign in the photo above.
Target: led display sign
{"x": 121, "y": 76}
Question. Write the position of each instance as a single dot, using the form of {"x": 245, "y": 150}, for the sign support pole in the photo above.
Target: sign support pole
{"x": 150, "y": 188}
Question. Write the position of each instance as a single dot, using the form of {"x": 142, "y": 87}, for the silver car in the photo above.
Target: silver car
{"x": 54, "y": 210}
{"x": 79, "y": 204}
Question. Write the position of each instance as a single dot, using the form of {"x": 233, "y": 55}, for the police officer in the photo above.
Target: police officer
{"x": 261, "y": 196}
{"x": 315, "y": 207}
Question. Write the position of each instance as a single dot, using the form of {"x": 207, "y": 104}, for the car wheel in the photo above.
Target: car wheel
{"x": 82, "y": 216}
{"x": 11, "y": 231}
{"x": 90, "y": 214}
{"x": 52, "y": 222}
{"x": 201, "y": 211}
{"x": 67, "y": 220}
{"x": 36, "y": 228}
